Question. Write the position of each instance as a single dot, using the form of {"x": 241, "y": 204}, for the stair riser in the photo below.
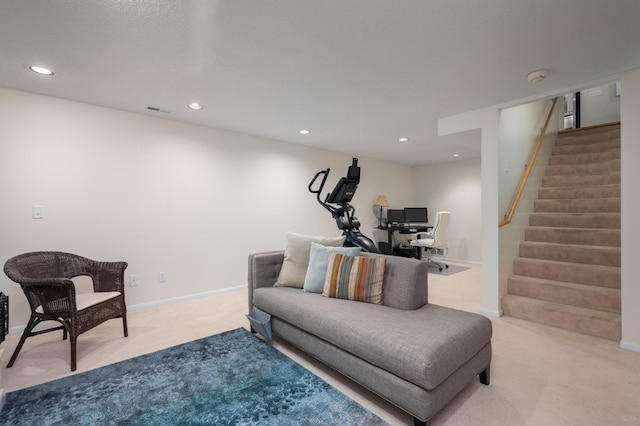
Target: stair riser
{"x": 600, "y": 237}
{"x": 588, "y": 137}
{"x": 581, "y": 149}
{"x": 589, "y": 255}
{"x": 567, "y": 193}
{"x": 601, "y": 168}
{"x": 587, "y": 158}
{"x": 601, "y": 205}
{"x": 596, "y": 327}
{"x": 585, "y": 297}
{"x": 577, "y": 180}
{"x": 608, "y": 277}
{"x": 576, "y": 220}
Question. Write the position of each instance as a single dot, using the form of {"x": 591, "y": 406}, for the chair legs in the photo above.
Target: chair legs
{"x": 433, "y": 262}
{"x": 73, "y": 342}
{"x": 25, "y": 334}
{"x": 427, "y": 250}
{"x": 124, "y": 325}
{"x": 28, "y": 332}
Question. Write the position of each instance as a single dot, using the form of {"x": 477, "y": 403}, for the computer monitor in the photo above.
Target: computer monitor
{"x": 395, "y": 216}
{"x": 415, "y": 215}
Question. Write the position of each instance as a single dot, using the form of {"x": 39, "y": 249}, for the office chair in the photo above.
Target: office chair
{"x": 436, "y": 239}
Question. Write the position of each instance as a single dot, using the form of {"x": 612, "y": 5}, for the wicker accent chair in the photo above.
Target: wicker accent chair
{"x": 45, "y": 278}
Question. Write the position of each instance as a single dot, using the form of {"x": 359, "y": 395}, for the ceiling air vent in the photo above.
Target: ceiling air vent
{"x": 156, "y": 109}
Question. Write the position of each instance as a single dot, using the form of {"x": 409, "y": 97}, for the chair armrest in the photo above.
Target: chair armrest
{"x": 264, "y": 269}
{"x": 108, "y": 276}
{"x": 49, "y": 295}
{"x": 421, "y": 235}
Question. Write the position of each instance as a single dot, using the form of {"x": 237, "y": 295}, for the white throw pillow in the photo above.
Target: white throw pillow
{"x": 296, "y": 257}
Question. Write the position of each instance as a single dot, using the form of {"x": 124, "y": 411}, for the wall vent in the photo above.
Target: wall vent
{"x": 156, "y": 109}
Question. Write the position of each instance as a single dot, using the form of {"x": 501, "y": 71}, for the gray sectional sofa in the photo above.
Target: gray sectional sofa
{"x": 416, "y": 355}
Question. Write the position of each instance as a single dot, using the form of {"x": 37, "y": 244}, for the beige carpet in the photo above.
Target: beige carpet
{"x": 539, "y": 375}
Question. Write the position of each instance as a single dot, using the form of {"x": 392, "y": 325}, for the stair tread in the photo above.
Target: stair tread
{"x": 579, "y": 265}
{"x": 606, "y": 237}
{"x": 578, "y": 214}
{"x": 578, "y": 205}
{"x": 605, "y": 325}
{"x": 578, "y": 180}
{"x": 576, "y": 159}
{"x": 586, "y": 247}
{"x": 606, "y": 141}
{"x": 573, "y": 229}
{"x": 582, "y": 187}
{"x": 578, "y": 148}
{"x": 568, "y": 293}
{"x": 608, "y": 220}
{"x": 571, "y": 253}
{"x": 577, "y": 286}
{"x": 594, "y": 169}
{"x": 573, "y": 200}
{"x": 568, "y": 187}
{"x": 575, "y": 310}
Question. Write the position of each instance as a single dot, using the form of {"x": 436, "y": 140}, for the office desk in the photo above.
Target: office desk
{"x": 401, "y": 230}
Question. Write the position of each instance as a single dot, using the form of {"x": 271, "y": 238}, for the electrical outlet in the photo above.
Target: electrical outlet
{"x": 162, "y": 277}
{"x": 37, "y": 212}
{"x": 133, "y": 280}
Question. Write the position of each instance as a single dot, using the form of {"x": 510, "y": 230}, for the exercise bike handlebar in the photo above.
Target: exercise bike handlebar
{"x": 325, "y": 174}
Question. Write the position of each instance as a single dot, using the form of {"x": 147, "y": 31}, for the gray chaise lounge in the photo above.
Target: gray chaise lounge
{"x": 416, "y": 355}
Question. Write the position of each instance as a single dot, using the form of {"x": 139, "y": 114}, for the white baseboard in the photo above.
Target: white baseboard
{"x": 157, "y": 303}
{"x": 635, "y": 347}
{"x": 142, "y": 306}
{"x": 491, "y": 312}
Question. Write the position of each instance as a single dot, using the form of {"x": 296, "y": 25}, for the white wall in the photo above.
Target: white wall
{"x": 630, "y": 127}
{"x": 164, "y": 196}
{"x": 518, "y": 131}
{"x": 599, "y": 105}
{"x": 486, "y": 120}
{"x": 521, "y": 126}
{"x": 454, "y": 186}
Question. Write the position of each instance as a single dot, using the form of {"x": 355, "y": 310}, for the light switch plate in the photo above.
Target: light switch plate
{"x": 37, "y": 212}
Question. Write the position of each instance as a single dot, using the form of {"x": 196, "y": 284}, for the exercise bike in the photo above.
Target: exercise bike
{"x": 344, "y": 213}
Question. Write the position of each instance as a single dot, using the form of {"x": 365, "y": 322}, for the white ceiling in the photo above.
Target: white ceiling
{"x": 359, "y": 74}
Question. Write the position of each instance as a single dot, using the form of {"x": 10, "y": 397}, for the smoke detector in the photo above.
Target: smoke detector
{"x": 537, "y": 76}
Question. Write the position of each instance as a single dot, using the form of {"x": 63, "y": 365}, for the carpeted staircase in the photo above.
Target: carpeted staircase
{"x": 568, "y": 272}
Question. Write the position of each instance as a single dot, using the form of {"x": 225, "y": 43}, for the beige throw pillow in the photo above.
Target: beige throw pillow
{"x": 296, "y": 257}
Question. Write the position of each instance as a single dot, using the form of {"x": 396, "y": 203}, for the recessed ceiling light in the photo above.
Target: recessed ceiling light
{"x": 195, "y": 105}
{"x": 41, "y": 70}
{"x": 403, "y": 139}
{"x": 456, "y": 155}
{"x": 304, "y": 132}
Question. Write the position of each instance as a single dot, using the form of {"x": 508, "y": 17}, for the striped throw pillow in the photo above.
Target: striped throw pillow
{"x": 354, "y": 278}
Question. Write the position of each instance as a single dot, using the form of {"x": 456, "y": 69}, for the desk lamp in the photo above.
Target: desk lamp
{"x": 381, "y": 202}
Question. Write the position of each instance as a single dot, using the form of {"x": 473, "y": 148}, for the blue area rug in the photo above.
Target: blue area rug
{"x": 233, "y": 378}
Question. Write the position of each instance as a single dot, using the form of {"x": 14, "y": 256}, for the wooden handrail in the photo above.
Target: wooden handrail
{"x": 532, "y": 160}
